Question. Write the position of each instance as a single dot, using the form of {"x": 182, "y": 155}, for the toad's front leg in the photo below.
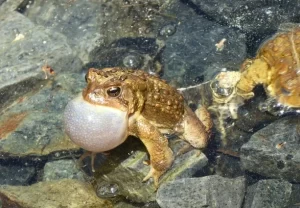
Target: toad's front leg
{"x": 161, "y": 156}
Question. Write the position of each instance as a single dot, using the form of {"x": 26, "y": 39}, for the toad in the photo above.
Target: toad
{"x": 117, "y": 103}
{"x": 276, "y": 67}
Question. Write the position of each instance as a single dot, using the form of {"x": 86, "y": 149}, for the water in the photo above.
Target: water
{"x": 46, "y": 49}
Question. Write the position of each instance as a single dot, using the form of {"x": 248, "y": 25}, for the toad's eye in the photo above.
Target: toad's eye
{"x": 114, "y": 91}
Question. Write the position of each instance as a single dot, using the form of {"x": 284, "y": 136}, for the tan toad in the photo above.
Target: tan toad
{"x": 117, "y": 103}
{"x": 277, "y": 67}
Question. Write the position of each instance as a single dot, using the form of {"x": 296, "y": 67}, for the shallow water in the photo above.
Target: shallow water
{"x": 46, "y": 48}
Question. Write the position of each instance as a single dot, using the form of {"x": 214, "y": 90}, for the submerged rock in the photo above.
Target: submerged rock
{"x": 126, "y": 177}
{"x": 25, "y": 49}
{"x": 134, "y": 53}
{"x": 90, "y": 24}
{"x": 60, "y": 193}
{"x": 32, "y": 126}
{"x": 61, "y": 169}
{"x": 191, "y": 52}
{"x": 16, "y": 174}
{"x": 271, "y": 193}
{"x": 274, "y": 150}
{"x": 208, "y": 191}
{"x": 240, "y": 13}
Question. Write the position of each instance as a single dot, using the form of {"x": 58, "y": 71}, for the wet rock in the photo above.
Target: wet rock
{"x": 16, "y": 175}
{"x": 228, "y": 166}
{"x": 88, "y": 24}
{"x": 9, "y": 6}
{"x": 127, "y": 175}
{"x": 192, "y": 50}
{"x": 60, "y": 193}
{"x": 134, "y": 53}
{"x": 25, "y": 49}
{"x": 209, "y": 191}
{"x": 250, "y": 117}
{"x": 127, "y": 205}
{"x": 271, "y": 193}
{"x": 274, "y": 150}
{"x": 32, "y": 126}
{"x": 61, "y": 169}
{"x": 268, "y": 14}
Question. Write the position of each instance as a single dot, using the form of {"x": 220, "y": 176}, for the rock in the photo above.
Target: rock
{"x": 25, "y": 49}
{"x": 9, "y": 6}
{"x": 16, "y": 175}
{"x": 126, "y": 177}
{"x": 33, "y": 126}
{"x": 126, "y": 205}
{"x": 191, "y": 52}
{"x": 133, "y": 53}
{"x": 88, "y": 24}
{"x": 208, "y": 191}
{"x": 270, "y": 193}
{"x": 60, "y": 193}
{"x": 240, "y": 14}
{"x": 274, "y": 150}
{"x": 61, "y": 169}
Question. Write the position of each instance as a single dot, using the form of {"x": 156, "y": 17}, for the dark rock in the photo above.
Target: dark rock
{"x": 228, "y": 166}
{"x": 134, "y": 53}
{"x": 61, "y": 169}
{"x": 274, "y": 150}
{"x": 16, "y": 175}
{"x": 209, "y": 191}
{"x": 253, "y": 16}
{"x": 191, "y": 51}
{"x": 60, "y": 193}
{"x": 33, "y": 125}
{"x": 271, "y": 193}
{"x": 251, "y": 118}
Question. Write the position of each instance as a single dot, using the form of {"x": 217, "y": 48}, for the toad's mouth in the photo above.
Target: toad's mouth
{"x": 93, "y": 127}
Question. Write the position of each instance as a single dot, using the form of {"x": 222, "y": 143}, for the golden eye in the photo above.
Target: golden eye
{"x": 114, "y": 91}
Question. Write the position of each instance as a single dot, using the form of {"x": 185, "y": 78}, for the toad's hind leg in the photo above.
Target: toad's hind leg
{"x": 161, "y": 156}
{"x": 256, "y": 73}
{"x": 197, "y": 129}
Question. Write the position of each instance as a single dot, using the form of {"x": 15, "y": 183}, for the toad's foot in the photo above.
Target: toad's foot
{"x": 92, "y": 155}
{"x": 155, "y": 174}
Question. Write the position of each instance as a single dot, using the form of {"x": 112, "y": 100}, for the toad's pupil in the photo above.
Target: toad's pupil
{"x": 114, "y": 91}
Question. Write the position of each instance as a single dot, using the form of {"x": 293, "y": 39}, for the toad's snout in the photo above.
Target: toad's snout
{"x": 93, "y": 127}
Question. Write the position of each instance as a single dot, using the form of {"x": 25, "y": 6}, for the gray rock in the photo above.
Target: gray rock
{"x": 59, "y": 193}
{"x": 269, "y": 193}
{"x": 16, "y": 175}
{"x": 9, "y": 6}
{"x": 146, "y": 205}
{"x": 274, "y": 150}
{"x": 191, "y": 53}
{"x": 209, "y": 191}
{"x": 25, "y": 49}
{"x": 33, "y": 125}
{"x": 88, "y": 24}
{"x": 61, "y": 169}
{"x": 126, "y": 177}
{"x": 253, "y": 16}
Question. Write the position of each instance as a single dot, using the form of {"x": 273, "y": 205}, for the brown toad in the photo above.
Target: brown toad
{"x": 277, "y": 67}
{"x": 117, "y": 103}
